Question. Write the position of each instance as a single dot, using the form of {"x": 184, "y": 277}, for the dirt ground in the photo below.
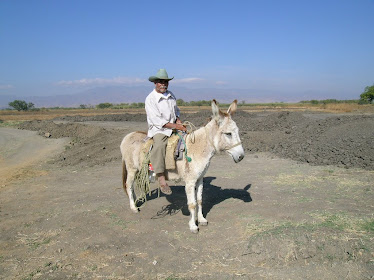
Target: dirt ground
{"x": 299, "y": 205}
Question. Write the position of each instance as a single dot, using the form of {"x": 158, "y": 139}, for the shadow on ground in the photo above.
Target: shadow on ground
{"x": 212, "y": 195}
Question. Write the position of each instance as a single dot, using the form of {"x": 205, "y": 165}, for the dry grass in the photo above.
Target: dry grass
{"x": 348, "y": 108}
{"x": 47, "y": 114}
{"x": 329, "y": 108}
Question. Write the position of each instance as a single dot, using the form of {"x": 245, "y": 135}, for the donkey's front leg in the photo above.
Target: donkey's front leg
{"x": 202, "y": 221}
{"x": 191, "y": 202}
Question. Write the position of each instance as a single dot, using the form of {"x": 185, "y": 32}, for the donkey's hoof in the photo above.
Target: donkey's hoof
{"x": 135, "y": 210}
{"x": 194, "y": 229}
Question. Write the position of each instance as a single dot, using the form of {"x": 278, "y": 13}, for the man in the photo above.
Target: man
{"x": 162, "y": 117}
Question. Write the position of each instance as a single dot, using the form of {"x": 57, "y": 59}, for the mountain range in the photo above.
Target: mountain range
{"x": 126, "y": 94}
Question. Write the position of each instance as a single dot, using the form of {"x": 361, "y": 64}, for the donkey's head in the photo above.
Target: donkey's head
{"x": 227, "y": 137}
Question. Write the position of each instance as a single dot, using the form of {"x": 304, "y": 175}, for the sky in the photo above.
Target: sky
{"x": 318, "y": 49}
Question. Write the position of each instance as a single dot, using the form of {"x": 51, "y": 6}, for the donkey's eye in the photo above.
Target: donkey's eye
{"x": 228, "y": 134}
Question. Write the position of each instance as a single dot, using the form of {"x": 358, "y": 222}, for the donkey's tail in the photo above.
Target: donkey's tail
{"x": 124, "y": 176}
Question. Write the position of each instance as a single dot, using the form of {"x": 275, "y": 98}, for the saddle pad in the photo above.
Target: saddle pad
{"x": 170, "y": 149}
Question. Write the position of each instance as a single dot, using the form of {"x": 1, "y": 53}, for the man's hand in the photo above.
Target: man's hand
{"x": 179, "y": 126}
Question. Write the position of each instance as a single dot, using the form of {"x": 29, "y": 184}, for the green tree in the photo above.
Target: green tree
{"x": 180, "y": 102}
{"x": 21, "y": 105}
{"x": 104, "y": 105}
{"x": 368, "y": 94}
{"x": 30, "y": 105}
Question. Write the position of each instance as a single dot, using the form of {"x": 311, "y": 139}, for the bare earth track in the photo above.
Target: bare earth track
{"x": 299, "y": 206}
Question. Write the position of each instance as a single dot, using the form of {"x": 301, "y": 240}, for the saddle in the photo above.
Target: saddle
{"x": 174, "y": 150}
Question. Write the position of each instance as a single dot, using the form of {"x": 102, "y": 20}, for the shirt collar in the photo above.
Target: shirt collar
{"x": 160, "y": 95}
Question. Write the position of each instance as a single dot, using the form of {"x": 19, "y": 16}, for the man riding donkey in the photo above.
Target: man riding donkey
{"x": 162, "y": 117}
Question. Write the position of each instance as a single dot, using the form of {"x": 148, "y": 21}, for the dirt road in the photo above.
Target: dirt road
{"x": 269, "y": 217}
{"x": 21, "y": 150}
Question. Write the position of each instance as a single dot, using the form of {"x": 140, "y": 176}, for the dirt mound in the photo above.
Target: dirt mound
{"x": 319, "y": 139}
{"x": 59, "y": 130}
{"x": 314, "y": 138}
{"x": 112, "y": 117}
{"x": 344, "y": 141}
{"x": 89, "y": 145}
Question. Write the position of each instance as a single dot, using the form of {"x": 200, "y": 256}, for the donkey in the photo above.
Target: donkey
{"x": 220, "y": 134}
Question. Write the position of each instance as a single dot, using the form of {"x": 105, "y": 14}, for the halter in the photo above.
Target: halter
{"x": 214, "y": 147}
{"x": 233, "y": 146}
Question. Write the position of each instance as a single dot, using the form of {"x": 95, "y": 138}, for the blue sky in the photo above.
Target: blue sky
{"x": 291, "y": 48}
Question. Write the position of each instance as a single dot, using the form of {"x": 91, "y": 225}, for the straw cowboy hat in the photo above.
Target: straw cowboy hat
{"x": 161, "y": 75}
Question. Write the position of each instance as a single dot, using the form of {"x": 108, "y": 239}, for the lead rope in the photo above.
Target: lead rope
{"x": 142, "y": 182}
{"x": 185, "y": 148}
{"x": 189, "y": 132}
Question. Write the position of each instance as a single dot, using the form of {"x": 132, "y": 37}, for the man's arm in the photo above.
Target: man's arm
{"x": 177, "y": 126}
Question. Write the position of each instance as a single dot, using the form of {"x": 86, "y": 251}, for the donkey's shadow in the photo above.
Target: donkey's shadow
{"x": 212, "y": 195}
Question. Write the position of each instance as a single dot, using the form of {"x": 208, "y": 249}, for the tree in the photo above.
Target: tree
{"x": 21, "y": 105}
{"x": 368, "y": 94}
{"x": 180, "y": 102}
{"x": 104, "y": 105}
{"x": 30, "y": 105}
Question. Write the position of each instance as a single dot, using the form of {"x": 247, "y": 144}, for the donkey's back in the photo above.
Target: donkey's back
{"x": 130, "y": 149}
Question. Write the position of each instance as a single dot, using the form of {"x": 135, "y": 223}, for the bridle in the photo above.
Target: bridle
{"x": 214, "y": 147}
{"x": 233, "y": 146}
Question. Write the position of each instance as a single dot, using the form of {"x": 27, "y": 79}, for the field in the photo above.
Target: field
{"x": 299, "y": 205}
{"x": 45, "y": 113}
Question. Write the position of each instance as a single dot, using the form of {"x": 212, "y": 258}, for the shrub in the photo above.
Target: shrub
{"x": 21, "y": 105}
{"x": 104, "y": 105}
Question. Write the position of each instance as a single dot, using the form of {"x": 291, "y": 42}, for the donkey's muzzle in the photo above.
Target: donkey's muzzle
{"x": 240, "y": 157}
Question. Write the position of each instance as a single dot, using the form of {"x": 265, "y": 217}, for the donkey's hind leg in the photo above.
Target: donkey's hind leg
{"x": 200, "y": 218}
{"x": 130, "y": 189}
{"x": 191, "y": 202}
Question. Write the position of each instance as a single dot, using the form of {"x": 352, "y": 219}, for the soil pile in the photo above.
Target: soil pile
{"x": 345, "y": 141}
{"x": 319, "y": 139}
{"x": 89, "y": 145}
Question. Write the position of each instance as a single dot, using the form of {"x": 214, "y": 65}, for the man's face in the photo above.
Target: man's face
{"x": 161, "y": 86}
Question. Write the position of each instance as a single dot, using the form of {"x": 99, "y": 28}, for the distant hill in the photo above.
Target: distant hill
{"x": 125, "y": 94}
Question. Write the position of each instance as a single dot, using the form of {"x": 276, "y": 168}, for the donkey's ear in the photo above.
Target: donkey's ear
{"x": 233, "y": 107}
{"x": 216, "y": 111}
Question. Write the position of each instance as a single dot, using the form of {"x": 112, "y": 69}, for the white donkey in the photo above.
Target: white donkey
{"x": 220, "y": 134}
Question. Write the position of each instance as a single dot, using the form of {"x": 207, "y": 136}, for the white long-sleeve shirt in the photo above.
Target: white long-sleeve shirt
{"x": 161, "y": 109}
